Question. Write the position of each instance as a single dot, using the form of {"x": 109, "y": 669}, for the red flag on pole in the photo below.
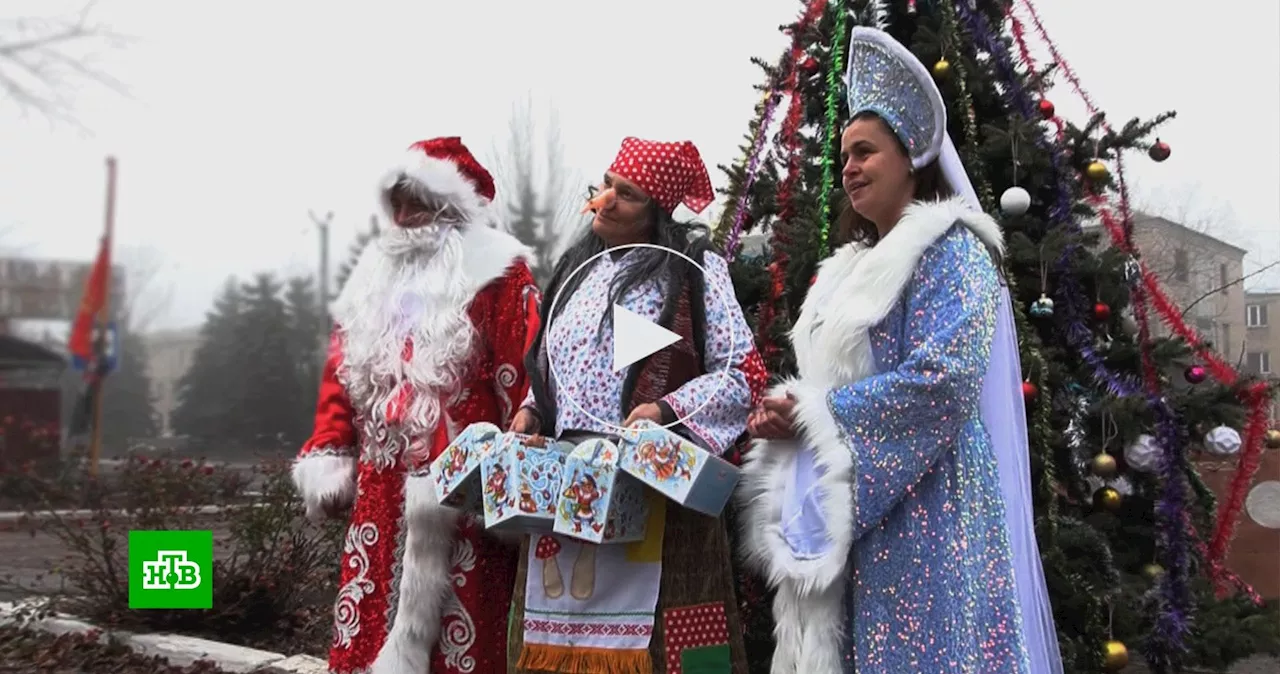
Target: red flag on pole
{"x": 96, "y": 288}
{"x": 92, "y": 303}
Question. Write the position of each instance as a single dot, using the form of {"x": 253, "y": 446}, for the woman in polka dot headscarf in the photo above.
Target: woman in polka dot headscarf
{"x": 645, "y": 607}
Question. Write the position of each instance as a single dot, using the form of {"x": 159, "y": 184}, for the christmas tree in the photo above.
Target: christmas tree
{"x": 1132, "y": 541}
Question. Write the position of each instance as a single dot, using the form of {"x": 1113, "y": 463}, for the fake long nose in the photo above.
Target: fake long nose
{"x": 600, "y": 201}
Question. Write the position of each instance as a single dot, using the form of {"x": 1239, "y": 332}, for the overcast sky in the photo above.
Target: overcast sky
{"x": 245, "y": 115}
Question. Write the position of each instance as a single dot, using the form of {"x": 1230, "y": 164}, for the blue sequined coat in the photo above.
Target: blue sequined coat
{"x": 882, "y": 526}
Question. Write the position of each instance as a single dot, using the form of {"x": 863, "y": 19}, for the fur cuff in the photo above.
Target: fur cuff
{"x": 322, "y": 477}
{"x": 426, "y": 584}
{"x": 766, "y": 471}
{"x": 808, "y": 607}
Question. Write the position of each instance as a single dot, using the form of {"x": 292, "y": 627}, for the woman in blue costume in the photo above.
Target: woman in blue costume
{"x": 887, "y": 495}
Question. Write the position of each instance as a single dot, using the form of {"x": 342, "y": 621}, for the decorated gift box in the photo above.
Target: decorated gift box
{"x": 598, "y": 502}
{"x": 521, "y": 482}
{"x": 456, "y": 471}
{"x": 677, "y": 468}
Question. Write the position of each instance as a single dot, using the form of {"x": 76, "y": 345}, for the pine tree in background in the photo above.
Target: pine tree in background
{"x": 308, "y": 339}
{"x": 252, "y": 381}
{"x": 1123, "y": 519}
{"x": 269, "y": 362}
{"x": 208, "y": 392}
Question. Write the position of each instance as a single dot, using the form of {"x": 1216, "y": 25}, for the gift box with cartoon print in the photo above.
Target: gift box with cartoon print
{"x": 678, "y": 469}
{"x": 599, "y": 503}
{"x": 456, "y": 471}
{"x": 521, "y": 482}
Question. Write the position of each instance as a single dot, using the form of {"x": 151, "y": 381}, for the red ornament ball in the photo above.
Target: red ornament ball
{"x": 809, "y": 65}
{"x": 1195, "y": 374}
{"x": 1029, "y": 391}
{"x": 1160, "y": 151}
{"x": 1046, "y": 108}
{"x": 1101, "y": 312}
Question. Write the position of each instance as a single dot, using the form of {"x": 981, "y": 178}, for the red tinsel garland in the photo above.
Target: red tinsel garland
{"x": 1255, "y": 398}
{"x": 753, "y": 594}
{"x": 790, "y": 141}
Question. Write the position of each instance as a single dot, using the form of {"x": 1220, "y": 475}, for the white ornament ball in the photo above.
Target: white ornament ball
{"x": 1015, "y": 201}
{"x": 1143, "y": 455}
{"x": 1222, "y": 441}
{"x": 1263, "y": 504}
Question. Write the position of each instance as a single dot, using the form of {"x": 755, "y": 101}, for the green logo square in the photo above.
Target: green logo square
{"x": 171, "y": 569}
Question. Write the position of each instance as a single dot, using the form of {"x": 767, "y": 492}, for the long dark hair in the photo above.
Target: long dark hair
{"x": 850, "y": 226}
{"x": 672, "y": 271}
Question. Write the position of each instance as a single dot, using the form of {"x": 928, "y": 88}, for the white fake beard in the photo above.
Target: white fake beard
{"x": 424, "y": 240}
{"x": 401, "y": 291}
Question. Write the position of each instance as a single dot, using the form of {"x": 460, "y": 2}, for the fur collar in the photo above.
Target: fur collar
{"x": 858, "y": 285}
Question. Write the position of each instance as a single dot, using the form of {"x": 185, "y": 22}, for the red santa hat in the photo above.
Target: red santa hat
{"x": 440, "y": 169}
{"x": 671, "y": 173}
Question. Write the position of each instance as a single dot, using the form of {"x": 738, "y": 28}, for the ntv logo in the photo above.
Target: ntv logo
{"x": 170, "y": 571}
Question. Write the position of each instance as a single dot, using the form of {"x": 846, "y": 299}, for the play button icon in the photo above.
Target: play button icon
{"x": 635, "y": 337}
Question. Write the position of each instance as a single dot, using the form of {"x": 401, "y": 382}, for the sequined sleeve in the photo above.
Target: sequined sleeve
{"x": 715, "y": 405}
{"x": 900, "y": 422}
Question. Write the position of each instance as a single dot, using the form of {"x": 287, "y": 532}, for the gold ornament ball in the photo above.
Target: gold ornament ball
{"x": 1115, "y": 656}
{"x": 1107, "y": 498}
{"x": 941, "y": 69}
{"x": 1152, "y": 571}
{"x": 1272, "y": 438}
{"x": 1104, "y": 466}
{"x": 1097, "y": 171}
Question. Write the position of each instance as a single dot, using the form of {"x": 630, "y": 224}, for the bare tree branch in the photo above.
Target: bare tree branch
{"x": 43, "y": 60}
{"x": 541, "y": 204}
{"x": 1192, "y": 270}
{"x": 1219, "y": 289}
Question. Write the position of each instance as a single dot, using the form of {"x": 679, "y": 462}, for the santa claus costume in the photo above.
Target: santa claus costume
{"x": 430, "y": 335}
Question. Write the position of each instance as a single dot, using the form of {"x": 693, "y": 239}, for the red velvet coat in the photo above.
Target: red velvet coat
{"x": 419, "y": 582}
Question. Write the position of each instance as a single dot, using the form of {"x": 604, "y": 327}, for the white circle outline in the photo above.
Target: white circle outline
{"x": 555, "y": 301}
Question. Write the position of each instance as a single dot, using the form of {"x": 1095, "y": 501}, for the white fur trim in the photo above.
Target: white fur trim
{"x": 767, "y": 468}
{"x": 324, "y": 479}
{"x": 808, "y": 603}
{"x": 488, "y": 253}
{"x": 855, "y": 289}
{"x": 425, "y": 581}
{"x": 809, "y": 629}
{"x": 437, "y": 177}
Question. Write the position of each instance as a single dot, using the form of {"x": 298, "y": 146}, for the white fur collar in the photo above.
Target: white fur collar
{"x": 857, "y": 287}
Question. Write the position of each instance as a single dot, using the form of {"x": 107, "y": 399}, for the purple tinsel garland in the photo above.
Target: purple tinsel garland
{"x": 1171, "y": 626}
{"x": 753, "y": 168}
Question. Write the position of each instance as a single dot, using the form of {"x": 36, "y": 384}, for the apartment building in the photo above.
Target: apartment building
{"x": 169, "y": 354}
{"x": 1201, "y": 275}
{"x": 1262, "y": 339}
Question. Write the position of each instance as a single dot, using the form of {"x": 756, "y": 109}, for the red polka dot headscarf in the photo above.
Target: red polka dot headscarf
{"x": 671, "y": 173}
